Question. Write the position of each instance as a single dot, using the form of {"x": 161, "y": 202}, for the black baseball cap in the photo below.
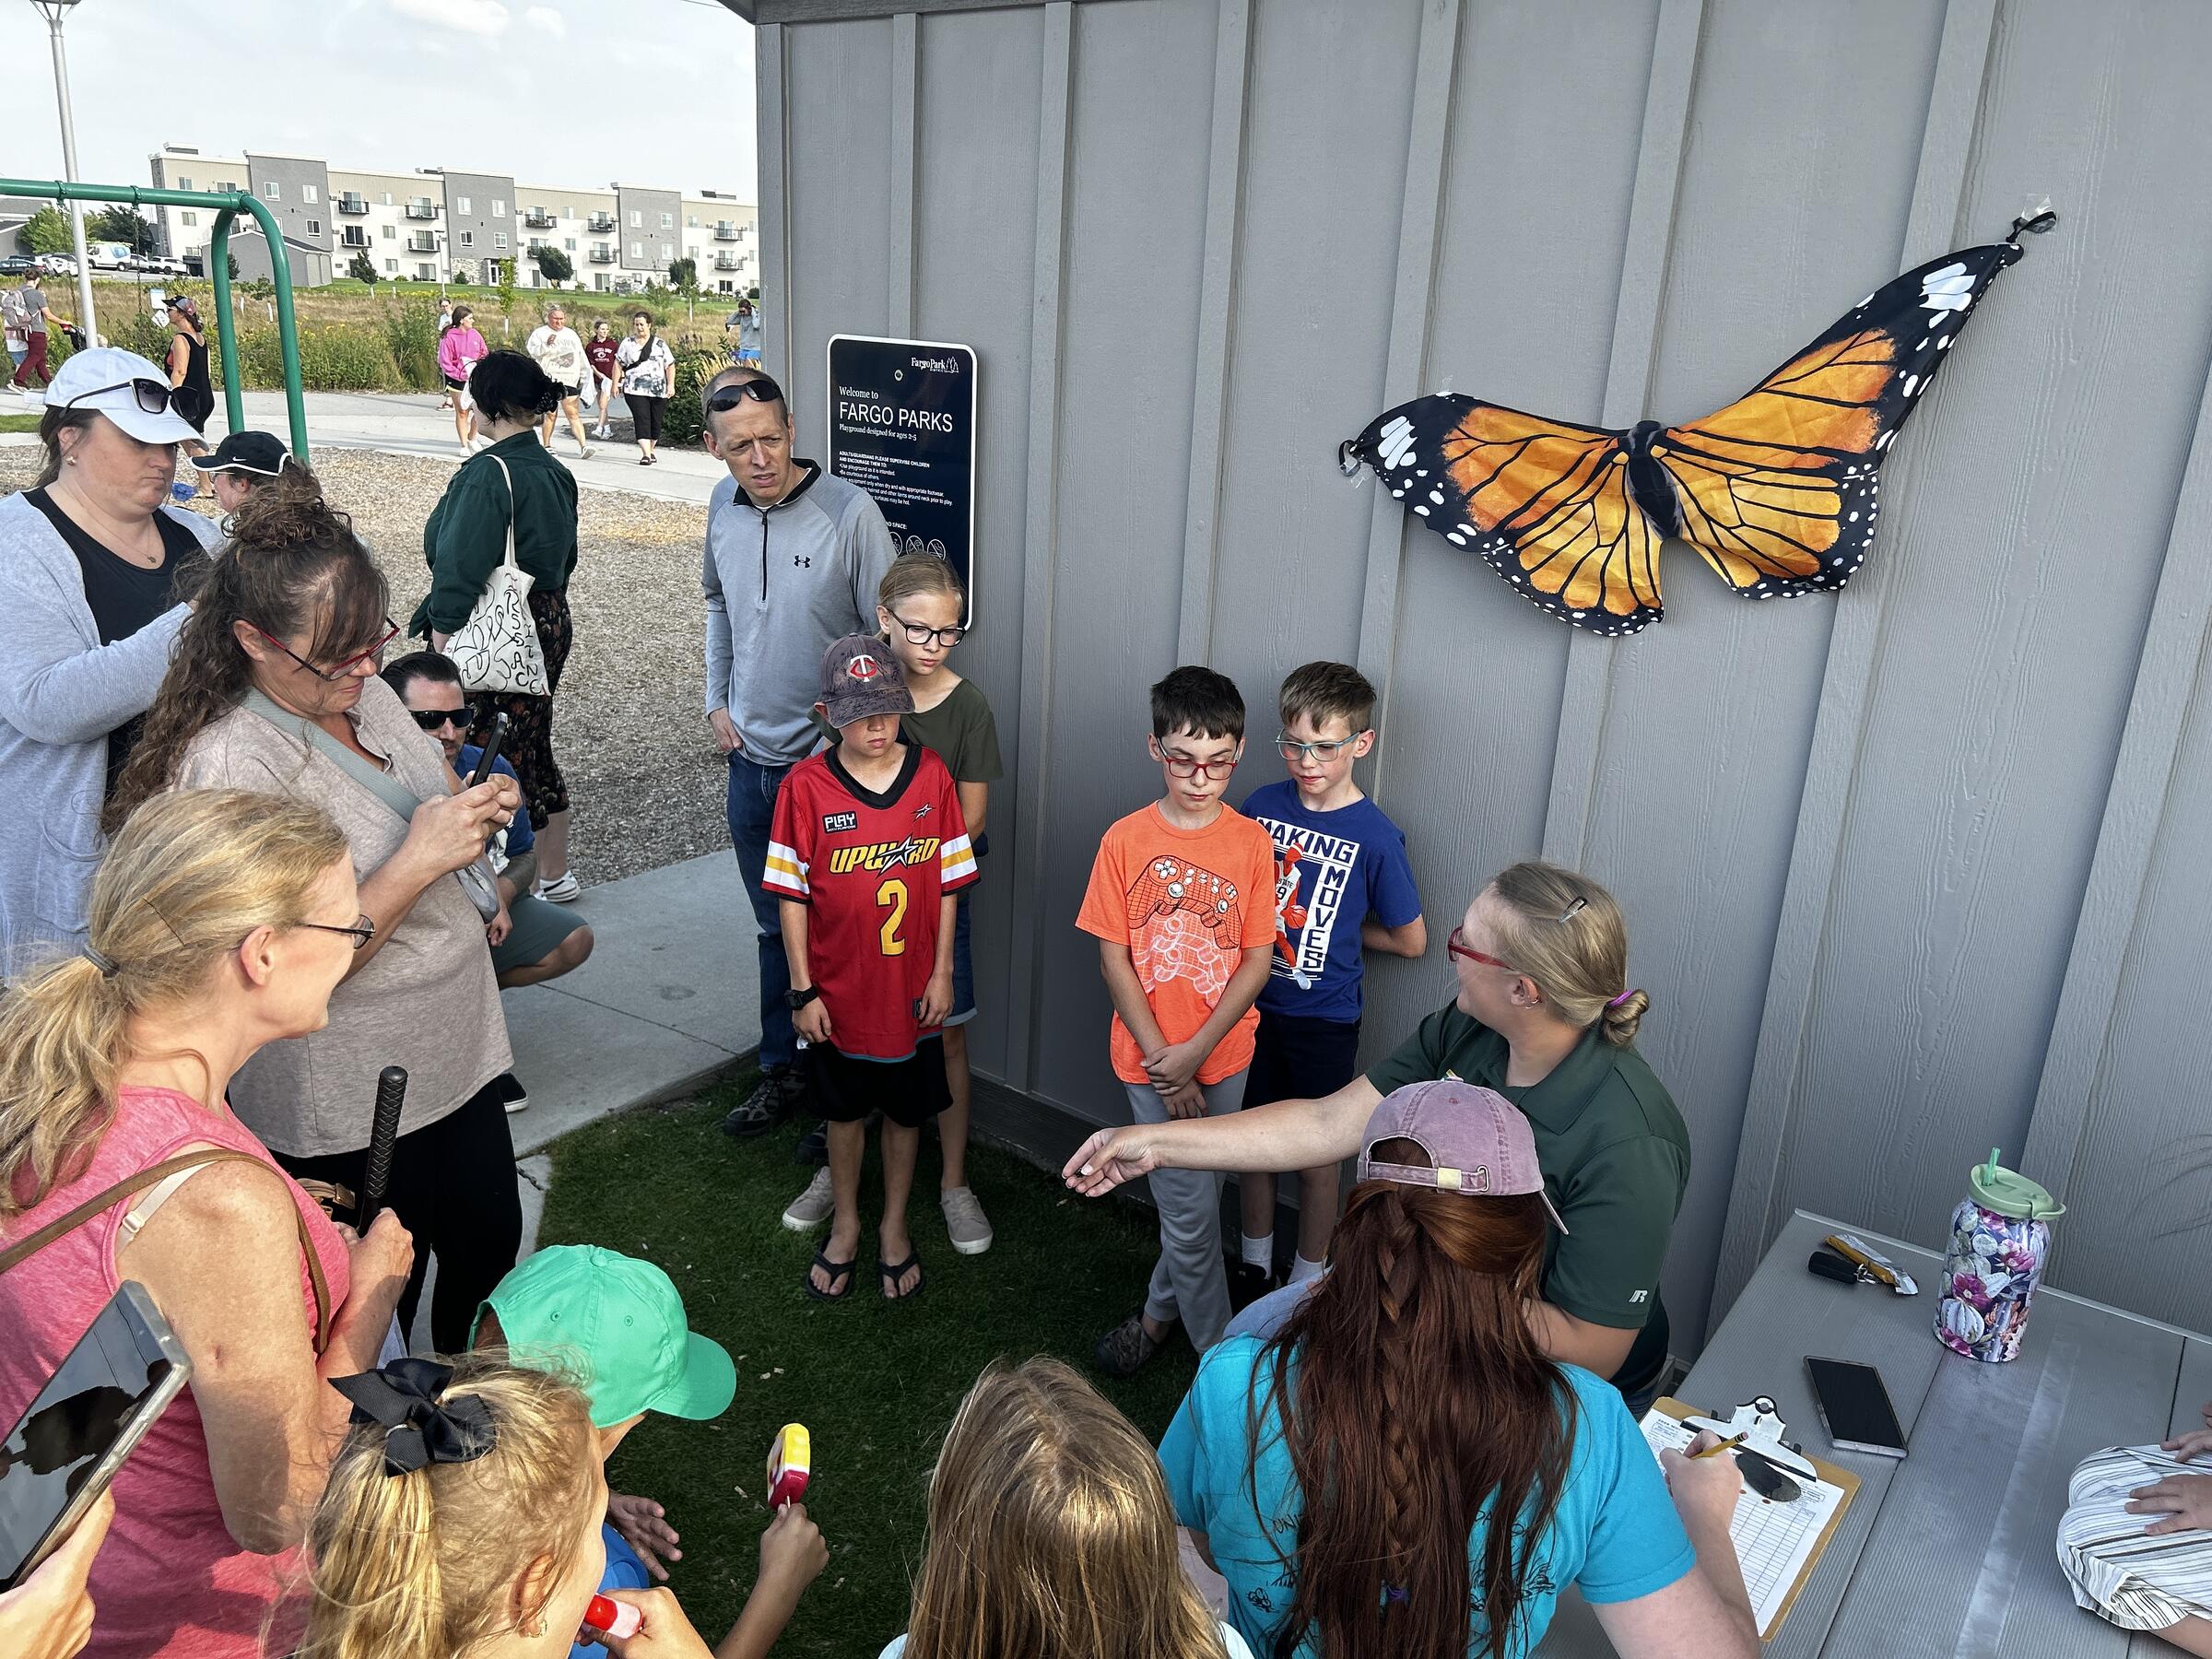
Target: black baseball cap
{"x": 257, "y": 452}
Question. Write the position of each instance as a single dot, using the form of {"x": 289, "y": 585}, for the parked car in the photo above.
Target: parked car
{"x": 57, "y": 265}
{"x": 18, "y": 264}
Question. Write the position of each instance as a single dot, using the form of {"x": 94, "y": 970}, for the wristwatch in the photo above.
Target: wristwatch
{"x": 799, "y": 999}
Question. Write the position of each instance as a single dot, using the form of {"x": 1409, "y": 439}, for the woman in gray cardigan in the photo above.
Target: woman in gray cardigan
{"x": 89, "y": 558}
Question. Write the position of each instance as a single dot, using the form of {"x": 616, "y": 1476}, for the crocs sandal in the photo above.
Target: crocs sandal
{"x": 892, "y": 1272}
{"x": 840, "y": 1278}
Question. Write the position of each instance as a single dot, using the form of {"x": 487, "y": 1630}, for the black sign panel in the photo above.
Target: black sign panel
{"x": 902, "y": 427}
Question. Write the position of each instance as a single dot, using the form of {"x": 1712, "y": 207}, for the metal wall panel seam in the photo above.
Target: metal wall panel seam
{"x": 1421, "y": 234}
{"x": 775, "y": 188}
{"x": 905, "y": 86}
{"x": 1039, "y": 543}
{"x": 1636, "y": 311}
{"x": 2169, "y": 683}
{"x": 1217, "y": 330}
{"x": 1758, "y": 1206}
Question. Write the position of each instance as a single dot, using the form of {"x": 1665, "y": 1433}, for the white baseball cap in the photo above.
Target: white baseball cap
{"x": 123, "y": 386}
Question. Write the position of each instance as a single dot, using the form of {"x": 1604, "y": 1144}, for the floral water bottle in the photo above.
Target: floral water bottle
{"x": 2000, "y": 1239}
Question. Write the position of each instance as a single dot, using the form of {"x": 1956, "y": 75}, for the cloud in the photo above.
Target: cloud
{"x": 547, "y": 19}
{"x": 486, "y": 17}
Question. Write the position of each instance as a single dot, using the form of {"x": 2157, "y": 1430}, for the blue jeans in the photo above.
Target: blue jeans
{"x": 752, "y": 806}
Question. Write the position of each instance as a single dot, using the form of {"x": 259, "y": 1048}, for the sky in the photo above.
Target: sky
{"x": 655, "y": 92}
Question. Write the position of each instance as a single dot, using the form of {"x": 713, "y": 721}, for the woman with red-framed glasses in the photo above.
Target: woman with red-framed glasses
{"x": 92, "y": 558}
{"x": 1544, "y": 1015}
{"x": 275, "y": 689}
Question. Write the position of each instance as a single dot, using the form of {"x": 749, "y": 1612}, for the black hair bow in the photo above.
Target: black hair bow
{"x": 403, "y": 1396}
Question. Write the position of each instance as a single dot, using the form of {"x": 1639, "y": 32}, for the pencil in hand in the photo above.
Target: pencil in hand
{"x": 1719, "y": 1446}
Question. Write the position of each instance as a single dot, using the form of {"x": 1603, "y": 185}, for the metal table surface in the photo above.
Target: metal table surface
{"x": 1951, "y": 1552}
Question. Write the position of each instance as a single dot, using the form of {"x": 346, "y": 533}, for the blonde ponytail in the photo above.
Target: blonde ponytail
{"x": 1565, "y": 932}
{"x": 419, "y": 1566}
{"x": 189, "y": 877}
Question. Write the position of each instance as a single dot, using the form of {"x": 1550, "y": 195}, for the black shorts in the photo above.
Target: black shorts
{"x": 909, "y": 1092}
{"x": 455, "y": 386}
{"x": 1299, "y": 1059}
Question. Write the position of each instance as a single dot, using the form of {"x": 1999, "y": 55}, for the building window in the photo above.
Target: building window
{"x": 190, "y": 218}
{"x": 307, "y": 193}
{"x": 499, "y": 208}
{"x": 636, "y": 250}
{"x": 390, "y": 232}
{"x": 391, "y": 268}
{"x": 314, "y": 226}
{"x": 692, "y": 222}
{"x": 184, "y": 184}
{"x": 667, "y": 222}
{"x": 468, "y": 239}
{"x": 667, "y": 253}
{"x": 567, "y": 212}
{"x": 227, "y": 185}
{"x": 461, "y": 204}
{"x": 272, "y": 191}
{"x": 637, "y": 219}
{"x": 498, "y": 240}
{"x": 572, "y": 244}
{"x": 387, "y": 198}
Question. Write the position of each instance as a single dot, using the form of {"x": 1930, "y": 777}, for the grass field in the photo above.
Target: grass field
{"x": 19, "y": 423}
{"x": 876, "y": 1383}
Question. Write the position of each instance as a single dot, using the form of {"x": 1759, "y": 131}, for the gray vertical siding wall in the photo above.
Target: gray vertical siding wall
{"x": 1911, "y": 872}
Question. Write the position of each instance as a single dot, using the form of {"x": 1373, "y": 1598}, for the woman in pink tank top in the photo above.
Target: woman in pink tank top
{"x": 220, "y": 920}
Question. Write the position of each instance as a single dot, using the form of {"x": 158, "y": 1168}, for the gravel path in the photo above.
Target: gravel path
{"x": 645, "y": 779}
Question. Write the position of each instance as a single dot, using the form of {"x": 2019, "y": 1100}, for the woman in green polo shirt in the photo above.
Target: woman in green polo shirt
{"x": 1545, "y": 1018}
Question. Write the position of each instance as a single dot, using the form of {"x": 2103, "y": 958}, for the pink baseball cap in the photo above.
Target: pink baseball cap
{"x": 1477, "y": 1142}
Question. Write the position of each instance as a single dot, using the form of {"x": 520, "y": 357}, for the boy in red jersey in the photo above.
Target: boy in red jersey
{"x": 864, "y": 856}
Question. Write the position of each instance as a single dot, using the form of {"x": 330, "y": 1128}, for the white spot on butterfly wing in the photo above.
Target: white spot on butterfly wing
{"x": 1436, "y": 498}
{"x": 1948, "y": 289}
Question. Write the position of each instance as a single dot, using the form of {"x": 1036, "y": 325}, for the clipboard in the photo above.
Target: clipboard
{"x": 1765, "y": 1539}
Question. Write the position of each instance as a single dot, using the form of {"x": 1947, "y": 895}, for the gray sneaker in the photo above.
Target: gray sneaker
{"x": 965, "y": 1221}
{"x": 813, "y": 1206}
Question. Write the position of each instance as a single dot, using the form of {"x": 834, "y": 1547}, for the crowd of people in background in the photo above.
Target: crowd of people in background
{"x": 252, "y": 868}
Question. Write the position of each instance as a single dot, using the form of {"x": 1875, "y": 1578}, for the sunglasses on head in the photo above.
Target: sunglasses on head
{"x": 430, "y": 720}
{"x": 152, "y": 394}
{"x": 759, "y": 390}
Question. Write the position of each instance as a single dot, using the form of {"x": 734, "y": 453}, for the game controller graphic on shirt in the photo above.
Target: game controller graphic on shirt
{"x": 1186, "y": 924}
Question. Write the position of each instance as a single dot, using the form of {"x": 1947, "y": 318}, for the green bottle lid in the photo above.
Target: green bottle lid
{"x": 2008, "y": 1193}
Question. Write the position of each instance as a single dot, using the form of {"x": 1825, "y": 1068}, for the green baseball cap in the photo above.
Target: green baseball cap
{"x": 616, "y": 1324}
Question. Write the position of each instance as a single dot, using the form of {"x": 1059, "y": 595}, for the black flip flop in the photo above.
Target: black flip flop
{"x": 892, "y": 1272}
{"x": 841, "y": 1273}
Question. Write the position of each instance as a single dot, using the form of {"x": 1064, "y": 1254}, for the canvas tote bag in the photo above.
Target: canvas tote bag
{"x": 497, "y": 648}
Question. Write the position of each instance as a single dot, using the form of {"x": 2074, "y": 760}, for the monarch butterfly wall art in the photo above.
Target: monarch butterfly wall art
{"x": 1779, "y": 491}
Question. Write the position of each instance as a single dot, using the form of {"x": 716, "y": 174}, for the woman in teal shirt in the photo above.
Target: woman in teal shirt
{"x": 1439, "y": 1255}
{"x": 516, "y": 480}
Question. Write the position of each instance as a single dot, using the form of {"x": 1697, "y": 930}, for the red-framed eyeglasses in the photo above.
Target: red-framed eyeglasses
{"x": 345, "y": 669}
{"x": 1457, "y": 945}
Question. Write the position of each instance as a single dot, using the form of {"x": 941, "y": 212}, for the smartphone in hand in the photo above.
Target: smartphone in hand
{"x": 492, "y": 740}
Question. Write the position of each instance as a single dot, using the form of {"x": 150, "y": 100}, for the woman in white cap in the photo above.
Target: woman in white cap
{"x": 1396, "y": 1486}
{"x": 90, "y": 560}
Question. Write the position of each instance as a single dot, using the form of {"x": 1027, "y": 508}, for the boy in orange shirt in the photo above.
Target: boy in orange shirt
{"x": 1182, "y": 902}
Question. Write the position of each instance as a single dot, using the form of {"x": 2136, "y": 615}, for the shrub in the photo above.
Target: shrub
{"x": 411, "y": 336}
{"x": 344, "y": 360}
{"x": 686, "y": 420}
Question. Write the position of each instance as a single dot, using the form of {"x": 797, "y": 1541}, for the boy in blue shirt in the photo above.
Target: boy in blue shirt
{"x": 1343, "y": 885}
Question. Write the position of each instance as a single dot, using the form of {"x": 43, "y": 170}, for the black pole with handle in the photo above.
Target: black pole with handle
{"x": 390, "y": 1094}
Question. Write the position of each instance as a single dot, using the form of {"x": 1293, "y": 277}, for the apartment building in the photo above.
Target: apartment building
{"x": 437, "y": 225}
{"x": 397, "y": 218}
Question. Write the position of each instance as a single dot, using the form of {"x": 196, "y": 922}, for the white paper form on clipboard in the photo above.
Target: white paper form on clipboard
{"x": 1778, "y": 1545}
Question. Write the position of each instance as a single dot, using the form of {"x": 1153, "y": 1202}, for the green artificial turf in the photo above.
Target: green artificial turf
{"x": 876, "y": 1383}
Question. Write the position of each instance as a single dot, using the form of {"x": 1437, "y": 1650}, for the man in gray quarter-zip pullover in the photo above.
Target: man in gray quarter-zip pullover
{"x": 793, "y": 558}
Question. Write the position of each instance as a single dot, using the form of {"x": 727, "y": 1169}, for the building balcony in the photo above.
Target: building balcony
{"x": 538, "y": 218}
{"x": 600, "y": 221}
{"x": 726, "y": 231}
{"x": 725, "y": 262}
{"x": 422, "y": 241}
{"x": 350, "y": 203}
{"x": 422, "y": 207}
{"x": 603, "y": 256}
{"x": 353, "y": 236}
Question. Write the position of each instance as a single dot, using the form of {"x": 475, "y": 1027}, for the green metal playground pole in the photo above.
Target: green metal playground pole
{"x": 228, "y": 206}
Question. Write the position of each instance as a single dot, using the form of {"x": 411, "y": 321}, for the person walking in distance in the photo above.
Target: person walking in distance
{"x": 37, "y": 319}
{"x": 192, "y": 394}
{"x": 460, "y": 349}
{"x": 560, "y": 354}
{"x": 600, "y": 352}
{"x": 793, "y": 560}
{"x": 648, "y": 380}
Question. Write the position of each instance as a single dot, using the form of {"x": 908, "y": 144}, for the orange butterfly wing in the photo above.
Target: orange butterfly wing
{"x": 1544, "y": 503}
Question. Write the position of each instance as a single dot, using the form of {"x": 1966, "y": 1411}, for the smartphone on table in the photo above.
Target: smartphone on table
{"x": 1855, "y": 1409}
{"x": 109, "y": 1390}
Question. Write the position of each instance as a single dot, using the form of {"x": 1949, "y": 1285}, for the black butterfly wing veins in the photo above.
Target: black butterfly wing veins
{"x": 1781, "y": 490}
{"x": 1545, "y": 502}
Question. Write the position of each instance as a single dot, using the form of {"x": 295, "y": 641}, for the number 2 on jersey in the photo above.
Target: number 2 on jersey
{"x": 891, "y": 896}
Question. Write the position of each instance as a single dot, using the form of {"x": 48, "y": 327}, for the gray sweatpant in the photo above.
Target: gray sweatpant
{"x": 1188, "y": 1281}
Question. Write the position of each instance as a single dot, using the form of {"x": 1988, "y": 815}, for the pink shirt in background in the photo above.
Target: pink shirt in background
{"x": 459, "y": 350}
{"x": 170, "y": 1582}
